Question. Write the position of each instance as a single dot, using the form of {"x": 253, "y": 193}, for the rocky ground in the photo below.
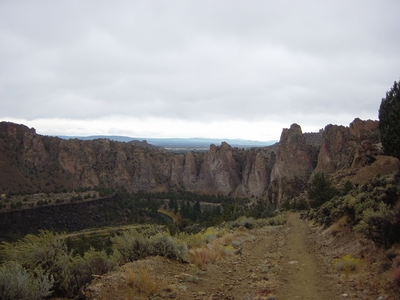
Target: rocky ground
{"x": 293, "y": 261}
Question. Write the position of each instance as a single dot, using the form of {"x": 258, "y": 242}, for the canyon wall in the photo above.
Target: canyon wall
{"x": 31, "y": 162}
{"x": 348, "y": 147}
{"x": 293, "y": 165}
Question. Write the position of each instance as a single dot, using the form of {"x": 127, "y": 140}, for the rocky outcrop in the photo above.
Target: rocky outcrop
{"x": 30, "y": 162}
{"x": 313, "y": 138}
{"x": 219, "y": 171}
{"x": 293, "y": 165}
{"x": 49, "y": 163}
{"x": 348, "y": 147}
{"x": 255, "y": 169}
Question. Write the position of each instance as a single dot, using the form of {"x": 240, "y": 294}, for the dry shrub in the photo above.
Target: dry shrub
{"x": 200, "y": 239}
{"x": 142, "y": 279}
{"x": 339, "y": 226}
{"x": 347, "y": 264}
{"x": 200, "y": 256}
{"x": 130, "y": 278}
{"x": 227, "y": 239}
{"x": 210, "y": 254}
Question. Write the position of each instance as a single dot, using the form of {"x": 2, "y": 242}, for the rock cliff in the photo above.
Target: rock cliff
{"x": 31, "y": 162}
{"x": 293, "y": 165}
{"x": 45, "y": 163}
{"x": 348, "y": 147}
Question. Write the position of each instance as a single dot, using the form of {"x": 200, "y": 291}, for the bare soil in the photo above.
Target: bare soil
{"x": 282, "y": 262}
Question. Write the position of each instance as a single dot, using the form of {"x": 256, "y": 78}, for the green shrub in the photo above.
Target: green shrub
{"x": 130, "y": 246}
{"x": 17, "y": 283}
{"x": 47, "y": 258}
{"x": 381, "y": 225}
{"x": 98, "y": 262}
{"x": 277, "y": 220}
{"x": 165, "y": 245}
{"x": 370, "y": 210}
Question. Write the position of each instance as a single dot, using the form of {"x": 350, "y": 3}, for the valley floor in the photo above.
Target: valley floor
{"x": 282, "y": 262}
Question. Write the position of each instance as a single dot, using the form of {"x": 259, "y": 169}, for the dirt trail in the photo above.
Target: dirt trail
{"x": 279, "y": 263}
{"x": 304, "y": 275}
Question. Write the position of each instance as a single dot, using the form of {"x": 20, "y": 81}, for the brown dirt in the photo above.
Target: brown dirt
{"x": 304, "y": 274}
{"x": 282, "y": 262}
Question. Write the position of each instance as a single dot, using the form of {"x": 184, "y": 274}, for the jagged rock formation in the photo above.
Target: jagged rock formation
{"x": 44, "y": 163}
{"x": 313, "y": 138}
{"x": 293, "y": 165}
{"x": 30, "y": 162}
{"x": 256, "y": 169}
{"x": 348, "y": 147}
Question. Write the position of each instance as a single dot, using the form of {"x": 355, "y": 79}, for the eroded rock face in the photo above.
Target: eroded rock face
{"x": 49, "y": 163}
{"x": 348, "y": 147}
{"x": 293, "y": 165}
{"x": 31, "y": 162}
{"x": 255, "y": 168}
{"x": 219, "y": 171}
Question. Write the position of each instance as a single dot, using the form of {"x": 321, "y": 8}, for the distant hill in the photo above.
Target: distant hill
{"x": 178, "y": 142}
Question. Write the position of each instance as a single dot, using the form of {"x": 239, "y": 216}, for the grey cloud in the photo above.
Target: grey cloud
{"x": 200, "y": 60}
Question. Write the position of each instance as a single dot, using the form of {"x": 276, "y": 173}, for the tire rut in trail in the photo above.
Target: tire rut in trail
{"x": 303, "y": 275}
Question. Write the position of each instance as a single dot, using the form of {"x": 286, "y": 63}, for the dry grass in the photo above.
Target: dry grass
{"x": 339, "y": 226}
{"x": 201, "y": 256}
{"x": 209, "y": 254}
{"x": 130, "y": 278}
{"x": 142, "y": 280}
{"x": 228, "y": 239}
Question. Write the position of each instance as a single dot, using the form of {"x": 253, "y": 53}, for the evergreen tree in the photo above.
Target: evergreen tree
{"x": 389, "y": 121}
{"x": 320, "y": 190}
{"x": 196, "y": 211}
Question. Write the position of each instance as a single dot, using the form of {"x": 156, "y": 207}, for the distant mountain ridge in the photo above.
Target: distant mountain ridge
{"x": 177, "y": 142}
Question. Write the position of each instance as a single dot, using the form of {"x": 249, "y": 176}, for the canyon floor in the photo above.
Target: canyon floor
{"x": 282, "y": 262}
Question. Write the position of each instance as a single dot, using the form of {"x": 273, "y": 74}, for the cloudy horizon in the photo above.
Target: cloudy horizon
{"x": 212, "y": 69}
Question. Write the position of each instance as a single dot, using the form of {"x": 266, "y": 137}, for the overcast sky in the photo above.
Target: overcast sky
{"x": 220, "y": 69}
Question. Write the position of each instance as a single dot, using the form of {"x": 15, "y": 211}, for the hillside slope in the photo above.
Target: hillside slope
{"x": 282, "y": 262}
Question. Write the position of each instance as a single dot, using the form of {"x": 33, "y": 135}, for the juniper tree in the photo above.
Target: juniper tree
{"x": 389, "y": 121}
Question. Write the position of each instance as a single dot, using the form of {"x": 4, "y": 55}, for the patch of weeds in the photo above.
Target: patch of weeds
{"x": 201, "y": 238}
{"x": 227, "y": 239}
{"x": 209, "y": 254}
{"x": 346, "y": 264}
{"x": 201, "y": 256}
{"x": 277, "y": 220}
{"x": 142, "y": 280}
{"x": 339, "y": 226}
